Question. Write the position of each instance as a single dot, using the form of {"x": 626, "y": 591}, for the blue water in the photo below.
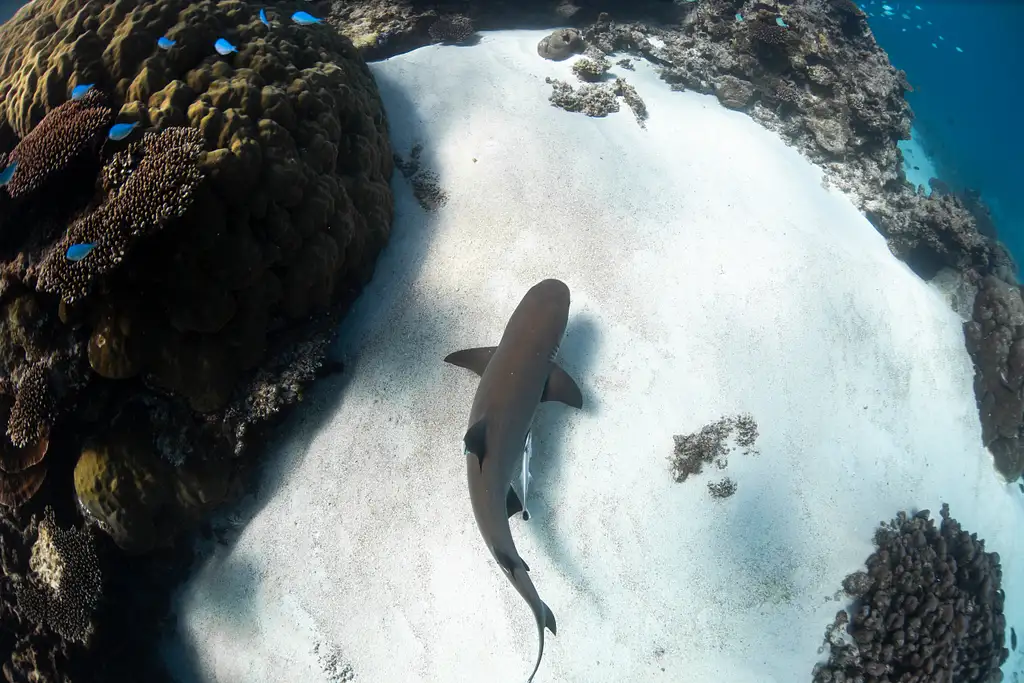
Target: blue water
{"x": 967, "y": 104}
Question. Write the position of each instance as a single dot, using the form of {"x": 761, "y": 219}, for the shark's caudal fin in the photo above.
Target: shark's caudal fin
{"x": 545, "y": 619}
{"x": 472, "y": 359}
{"x": 561, "y": 387}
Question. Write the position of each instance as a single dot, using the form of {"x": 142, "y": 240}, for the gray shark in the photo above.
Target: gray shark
{"x": 515, "y": 377}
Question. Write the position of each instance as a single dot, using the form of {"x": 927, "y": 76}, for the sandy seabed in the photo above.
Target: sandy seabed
{"x": 711, "y": 274}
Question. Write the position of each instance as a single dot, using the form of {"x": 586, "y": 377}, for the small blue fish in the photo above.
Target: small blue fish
{"x": 165, "y": 43}
{"x": 781, "y": 22}
{"x": 887, "y": 8}
{"x": 223, "y": 47}
{"x": 8, "y": 173}
{"x": 263, "y": 18}
{"x": 917, "y": 7}
{"x": 77, "y": 252}
{"x": 739, "y": 17}
{"x": 305, "y": 19}
{"x": 959, "y": 50}
{"x": 119, "y": 131}
{"x": 79, "y": 91}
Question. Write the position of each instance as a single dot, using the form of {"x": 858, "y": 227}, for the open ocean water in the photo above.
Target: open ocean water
{"x": 967, "y": 104}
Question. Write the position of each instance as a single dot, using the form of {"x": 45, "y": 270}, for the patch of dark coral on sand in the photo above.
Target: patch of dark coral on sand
{"x": 928, "y": 608}
{"x": 426, "y": 184}
{"x": 712, "y": 444}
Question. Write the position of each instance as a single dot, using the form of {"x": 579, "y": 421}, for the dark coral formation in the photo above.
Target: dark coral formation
{"x": 452, "y": 29}
{"x": 761, "y": 31}
{"x": 995, "y": 340}
{"x": 561, "y": 44}
{"x": 711, "y": 444}
{"x": 151, "y": 183}
{"x": 931, "y": 233}
{"x": 17, "y": 488}
{"x": 229, "y": 234}
{"x": 929, "y": 608}
{"x": 64, "y": 583}
{"x": 32, "y": 412}
{"x": 71, "y": 130}
{"x": 253, "y": 204}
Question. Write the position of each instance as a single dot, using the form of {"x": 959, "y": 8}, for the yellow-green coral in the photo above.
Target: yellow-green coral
{"x": 137, "y": 497}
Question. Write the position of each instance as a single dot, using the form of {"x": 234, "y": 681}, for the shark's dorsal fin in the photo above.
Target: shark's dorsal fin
{"x": 476, "y": 440}
{"x": 512, "y": 502}
{"x": 561, "y": 387}
{"x": 472, "y": 359}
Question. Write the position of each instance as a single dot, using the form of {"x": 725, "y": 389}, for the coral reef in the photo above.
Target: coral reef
{"x": 252, "y": 202}
{"x": 995, "y": 340}
{"x": 72, "y": 130}
{"x": 929, "y": 607}
{"x": 139, "y": 498}
{"x": 64, "y": 583}
{"x": 453, "y": 29}
{"x": 217, "y": 246}
{"x": 148, "y": 185}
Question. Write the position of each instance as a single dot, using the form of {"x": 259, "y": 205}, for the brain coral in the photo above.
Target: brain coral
{"x": 246, "y": 209}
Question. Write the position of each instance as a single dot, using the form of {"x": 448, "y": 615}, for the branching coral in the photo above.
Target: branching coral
{"x": 452, "y": 29}
{"x": 152, "y": 182}
{"x": 32, "y": 413}
{"x": 73, "y": 128}
{"x": 929, "y": 608}
{"x": 64, "y": 583}
{"x": 769, "y": 34}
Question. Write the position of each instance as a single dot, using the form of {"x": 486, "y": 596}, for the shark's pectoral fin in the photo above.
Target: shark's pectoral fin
{"x": 549, "y": 620}
{"x": 472, "y": 359}
{"x": 561, "y": 387}
{"x": 476, "y": 440}
{"x": 512, "y": 502}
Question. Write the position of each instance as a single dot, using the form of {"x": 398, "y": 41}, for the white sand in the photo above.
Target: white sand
{"x": 710, "y": 274}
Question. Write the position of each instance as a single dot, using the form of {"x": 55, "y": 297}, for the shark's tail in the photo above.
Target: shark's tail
{"x": 545, "y": 619}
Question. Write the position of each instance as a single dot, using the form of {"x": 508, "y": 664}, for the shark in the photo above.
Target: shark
{"x": 516, "y": 376}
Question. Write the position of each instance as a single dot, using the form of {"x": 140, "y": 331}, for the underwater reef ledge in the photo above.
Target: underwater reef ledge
{"x": 182, "y": 227}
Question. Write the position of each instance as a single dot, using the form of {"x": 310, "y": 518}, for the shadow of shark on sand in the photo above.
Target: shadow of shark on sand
{"x": 550, "y": 430}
